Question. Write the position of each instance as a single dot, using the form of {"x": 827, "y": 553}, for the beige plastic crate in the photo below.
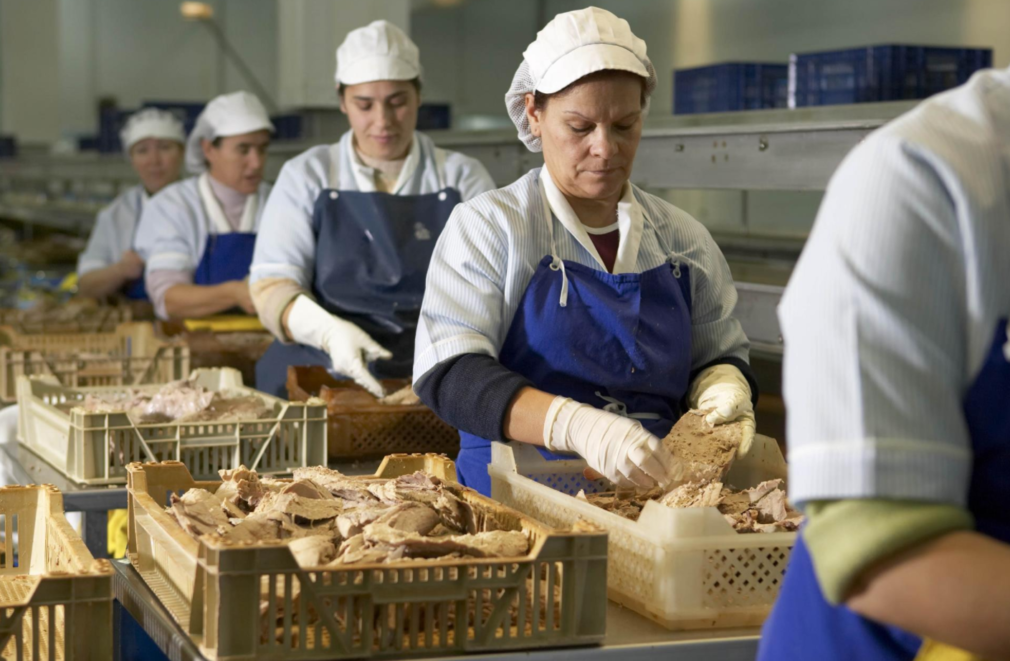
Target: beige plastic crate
{"x": 682, "y": 568}
{"x": 95, "y": 448}
{"x": 55, "y": 598}
{"x": 412, "y": 608}
{"x": 103, "y": 319}
{"x": 131, "y": 355}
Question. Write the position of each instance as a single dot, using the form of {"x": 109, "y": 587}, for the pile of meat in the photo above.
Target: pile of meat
{"x": 707, "y": 453}
{"x": 330, "y": 520}
{"x": 179, "y": 401}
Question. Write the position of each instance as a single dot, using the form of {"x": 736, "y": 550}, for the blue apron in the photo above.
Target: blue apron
{"x": 619, "y": 342}
{"x": 373, "y": 251}
{"x": 803, "y": 625}
{"x": 227, "y": 257}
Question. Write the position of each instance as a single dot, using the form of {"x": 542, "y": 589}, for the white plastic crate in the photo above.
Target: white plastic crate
{"x": 95, "y": 448}
{"x": 682, "y": 568}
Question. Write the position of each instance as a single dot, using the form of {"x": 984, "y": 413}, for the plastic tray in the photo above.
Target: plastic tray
{"x": 880, "y": 73}
{"x": 729, "y": 87}
{"x": 55, "y": 598}
{"x": 374, "y": 430}
{"x": 415, "y": 608}
{"x": 682, "y": 568}
{"x": 95, "y": 448}
{"x": 103, "y": 319}
{"x": 130, "y": 356}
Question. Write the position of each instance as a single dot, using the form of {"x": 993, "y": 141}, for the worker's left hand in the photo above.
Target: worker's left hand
{"x": 724, "y": 392}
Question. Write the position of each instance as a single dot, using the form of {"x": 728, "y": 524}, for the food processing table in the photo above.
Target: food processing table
{"x": 630, "y": 637}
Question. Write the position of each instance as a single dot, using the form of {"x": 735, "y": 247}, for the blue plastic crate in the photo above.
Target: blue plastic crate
{"x": 186, "y": 112}
{"x": 880, "y": 73}
{"x": 289, "y": 127}
{"x": 729, "y": 87}
{"x": 110, "y": 122}
{"x": 8, "y": 146}
{"x": 434, "y": 116}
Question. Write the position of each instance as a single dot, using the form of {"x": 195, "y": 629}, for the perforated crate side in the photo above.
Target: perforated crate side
{"x": 55, "y": 598}
{"x": 375, "y": 433}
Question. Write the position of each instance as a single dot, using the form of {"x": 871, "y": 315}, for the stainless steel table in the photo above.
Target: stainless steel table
{"x": 630, "y": 637}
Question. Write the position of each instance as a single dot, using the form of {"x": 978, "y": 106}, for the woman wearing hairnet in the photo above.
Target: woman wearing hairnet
{"x": 349, "y": 229}
{"x": 154, "y": 141}
{"x": 197, "y": 236}
{"x": 572, "y": 310}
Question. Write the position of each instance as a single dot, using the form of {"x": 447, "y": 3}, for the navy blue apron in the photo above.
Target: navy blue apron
{"x": 227, "y": 257}
{"x": 803, "y": 625}
{"x": 373, "y": 251}
{"x": 620, "y": 342}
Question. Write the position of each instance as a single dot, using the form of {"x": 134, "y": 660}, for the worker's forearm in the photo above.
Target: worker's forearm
{"x": 101, "y": 282}
{"x": 955, "y": 590}
{"x": 190, "y": 301}
{"x": 524, "y": 420}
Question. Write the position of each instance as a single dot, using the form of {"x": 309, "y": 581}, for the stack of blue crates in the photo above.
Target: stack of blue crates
{"x": 880, "y": 73}
{"x": 434, "y": 116}
{"x": 186, "y": 112}
{"x": 288, "y": 127}
{"x": 110, "y": 122}
{"x": 729, "y": 87}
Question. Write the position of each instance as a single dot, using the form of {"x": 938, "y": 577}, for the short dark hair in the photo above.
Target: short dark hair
{"x": 540, "y": 99}
{"x": 416, "y": 82}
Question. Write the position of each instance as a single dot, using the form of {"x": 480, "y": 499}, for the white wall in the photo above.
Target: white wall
{"x": 29, "y": 78}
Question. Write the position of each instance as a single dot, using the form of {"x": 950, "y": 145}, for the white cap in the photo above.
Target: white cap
{"x": 378, "y": 51}
{"x": 572, "y": 46}
{"x": 237, "y": 113}
{"x": 151, "y": 123}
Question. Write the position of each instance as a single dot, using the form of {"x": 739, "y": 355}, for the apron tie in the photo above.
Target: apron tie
{"x": 1006, "y": 346}
{"x": 617, "y": 407}
{"x": 558, "y": 264}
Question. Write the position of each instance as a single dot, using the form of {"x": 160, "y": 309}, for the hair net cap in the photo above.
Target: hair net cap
{"x": 151, "y": 123}
{"x": 237, "y": 113}
{"x": 572, "y": 46}
{"x": 378, "y": 51}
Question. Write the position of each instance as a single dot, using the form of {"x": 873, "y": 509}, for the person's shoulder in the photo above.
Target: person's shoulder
{"x": 508, "y": 202}
{"x": 313, "y": 163}
{"x": 177, "y": 193}
{"x": 669, "y": 218}
{"x": 127, "y": 201}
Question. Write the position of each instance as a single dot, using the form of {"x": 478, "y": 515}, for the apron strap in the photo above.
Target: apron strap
{"x": 335, "y": 166}
{"x": 557, "y": 264}
{"x": 618, "y": 407}
{"x": 671, "y": 256}
{"x": 439, "y": 166}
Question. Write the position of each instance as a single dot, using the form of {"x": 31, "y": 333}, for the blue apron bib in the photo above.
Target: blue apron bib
{"x": 804, "y": 626}
{"x": 620, "y": 342}
{"x": 226, "y": 257}
{"x": 373, "y": 251}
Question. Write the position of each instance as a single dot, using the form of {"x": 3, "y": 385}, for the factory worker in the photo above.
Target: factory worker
{"x": 197, "y": 236}
{"x": 154, "y": 142}
{"x": 349, "y": 229}
{"x": 572, "y": 310}
{"x": 897, "y": 382}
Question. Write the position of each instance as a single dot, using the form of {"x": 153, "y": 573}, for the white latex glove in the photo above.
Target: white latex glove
{"x": 618, "y": 447}
{"x": 349, "y": 347}
{"x": 724, "y": 389}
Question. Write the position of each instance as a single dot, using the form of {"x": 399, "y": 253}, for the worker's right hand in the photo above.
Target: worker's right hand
{"x": 131, "y": 266}
{"x": 349, "y": 347}
{"x": 241, "y": 296}
{"x": 616, "y": 446}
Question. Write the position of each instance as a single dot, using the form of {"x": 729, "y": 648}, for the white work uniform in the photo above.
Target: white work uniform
{"x": 896, "y": 301}
{"x": 493, "y": 244}
{"x": 286, "y": 247}
{"x": 177, "y": 221}
{"x": 114, "y": 230}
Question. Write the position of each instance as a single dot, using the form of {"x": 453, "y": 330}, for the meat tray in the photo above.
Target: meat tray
{"x": 682, "y": 568}
{"x": 556, "y": 596}
{"x": 370, "y": 429}
{"x": 131, "y": 355}
{"x": 55, "y": 598}
{"x": 95, "y": 448}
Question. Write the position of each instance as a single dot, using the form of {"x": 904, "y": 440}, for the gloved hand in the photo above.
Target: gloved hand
{"x": 724, "y": 390}
{"x": 349, "y": 347}
{"x": 618, "y": 447}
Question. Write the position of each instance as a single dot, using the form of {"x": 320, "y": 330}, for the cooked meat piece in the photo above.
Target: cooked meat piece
{"x": 456, "y": 514}
{"x": 180, "y": 401}
{"x": 410, "y": 517}
{"x": 307, "y": 489}
{"x": 242, "y": 487}
{"x": 304, "y": 511}
{"x": 694, "y": 494}
{"x": 403, "y": 397}
{"x": 352, "y": 522}
{"x": 312, "y": 551}
{"x": 336, "y": 483}
{"x": 707, "y": 450}
{"x": 356, "y": 551}
{"x": 494, "y": 544}
{"x": 199, "y": 512}
{"x": 417, "y": 487}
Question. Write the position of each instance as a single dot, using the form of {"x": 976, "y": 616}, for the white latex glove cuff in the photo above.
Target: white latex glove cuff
{"x": 308, "y": 322}
{"x": 724, "y": 389}
{"x": 559, "y": 415}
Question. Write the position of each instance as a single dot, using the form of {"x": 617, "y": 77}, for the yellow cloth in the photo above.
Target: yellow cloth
{"x": 934, "y": 651}
{"x": 846, "y": 537}
{"x": 118, "y": 520}
{"x": 225, "y": 323}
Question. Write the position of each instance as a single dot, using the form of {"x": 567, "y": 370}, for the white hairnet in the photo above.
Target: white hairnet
{"x": 572, "y": 46}
{"x": 378, "y": 51}
{"x": 237, "y": 113}
{"x": 151, "y": 123}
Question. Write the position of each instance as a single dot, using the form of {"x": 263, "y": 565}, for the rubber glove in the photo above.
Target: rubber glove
{"x": 617, "y": 447}
{"x": 724, "y": 390}
{"x": 349, "y": 347}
